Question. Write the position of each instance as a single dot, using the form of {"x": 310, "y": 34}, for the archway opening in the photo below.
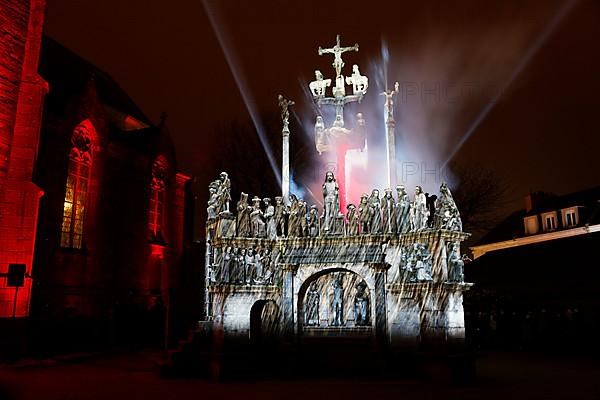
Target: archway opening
{"x": 265, "y": 322}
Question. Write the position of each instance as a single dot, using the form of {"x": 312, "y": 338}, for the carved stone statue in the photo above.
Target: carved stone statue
{"x": 321, "y": 140}
{"x": 338, "y": 301}
{"x": 456, "y": 265}
{"x": 236, "y": 274}
{"x": 243, "y": 216}
{"x": 313, "y": 221}
{"x": 311, "y": 309}
{"x": 241, "y": 265}
{"x": 224, "y": 192}
{"x": 256, "y": 219}
{"x": 213, "y": 208}
{"x": 352, "y": 225}
{"x": 364, "y": 217}
{"x": 402, "y": 210}
{"x": 419, "y": 212}
{"x": 284, "y": 104}
{"x": 388, "y": 210}
{"x": 319, "y": 85}
{"x": 359, "y": 82}
{"x": 375, "y": 212}
{"x": 294, "y": 219}
{"x": 280, "y": 211}
{"x": 331, "y": 201}
{"x": 361, "y": 305}
{"x": 268, "y": 272}
{"x": 250, "y": 261}
{"x": 337, "y": 52}
{"x": 422, "y": 263}
{"x": 269, "y": 216}
{"x": 447, "y": 214}
{"x": 302, "y": 210}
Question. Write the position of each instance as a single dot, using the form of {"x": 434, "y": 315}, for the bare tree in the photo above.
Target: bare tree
{"x": 481, "y": 196}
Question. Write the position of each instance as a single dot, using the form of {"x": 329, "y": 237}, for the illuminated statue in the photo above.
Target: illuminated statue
{"x": 338, "y": 300}
{"x": 363, "y": 213}
{"x": 284, "y": 104}
{"x": 447, "y": 214}
{"x": 402, "y": 210}
{"x": 361, "y": 305}
{"x": 311, "y": 313}
{"x": 331, "y": 201}
{"x": 456, "y": 265}
{"x": 256, "y": 219}
{"x": 224, "y": 192}
{"x": 352, "y": 215}
{"x": 374, "y": 212}
{"x": 422, "y": 262}
{"x": 313, "y": 221}
{"x": 359, "y": 82}
{"x": 280, "y": 211}
{"x": 269, "y": 216}
{"x": 388, "y": 211}
{"x": 266, "y": 267}
{"x": 337, "y": 52}
{"x": 213, "y": 201}
{"x": 225, "y": 275}
{"x": 419, "y": 210}
{"x": 302, "y": 210}
{"x": 294, "y": 219}
{"x": 319, "y": 85}
{"x": 243, "y": 216}
{"x": 250, "y": 261}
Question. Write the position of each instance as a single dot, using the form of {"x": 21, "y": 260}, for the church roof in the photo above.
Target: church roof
{"x": 68, "y": 75}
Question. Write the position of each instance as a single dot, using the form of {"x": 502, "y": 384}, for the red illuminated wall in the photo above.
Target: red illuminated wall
{"x": 22, "y": 93}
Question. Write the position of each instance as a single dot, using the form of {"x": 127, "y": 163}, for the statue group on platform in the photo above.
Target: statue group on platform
{"x": 373, "y": 215}
{"x": 241, "y": 266}
{"x": 361, "y": 304}
{"x": 416, "y": 263}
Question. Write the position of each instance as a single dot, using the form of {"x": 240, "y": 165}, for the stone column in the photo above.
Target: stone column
{"x": 285, "y": 165}
{"x": 390, "y": 125}
{"x": 287, "y": 299}
{"x": 380, "y": 272}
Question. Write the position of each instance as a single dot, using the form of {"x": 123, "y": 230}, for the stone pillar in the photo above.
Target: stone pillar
{"x": 287, "y": 299}
{"x": 285, "y": 165}
{"x": 391, "y": 153}
{"x": 380, "y": 272}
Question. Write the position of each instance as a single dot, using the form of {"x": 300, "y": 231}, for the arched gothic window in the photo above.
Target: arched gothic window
{"x": 157, "y": 201}
{"x": 77, "y": 187}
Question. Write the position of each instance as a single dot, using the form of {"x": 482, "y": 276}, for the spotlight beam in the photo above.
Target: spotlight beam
{"x": 241, "y": 85}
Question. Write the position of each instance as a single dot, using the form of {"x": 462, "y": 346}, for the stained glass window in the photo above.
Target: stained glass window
{"x": 157, "y": 201}
{"x": 74, "y": 207}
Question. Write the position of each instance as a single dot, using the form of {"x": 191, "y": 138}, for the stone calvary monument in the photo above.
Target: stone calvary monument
{"x": 382, "y": 268}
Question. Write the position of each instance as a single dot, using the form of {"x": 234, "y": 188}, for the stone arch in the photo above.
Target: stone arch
{"x": 309, "y": 275}
{"x": 265, "y": 321}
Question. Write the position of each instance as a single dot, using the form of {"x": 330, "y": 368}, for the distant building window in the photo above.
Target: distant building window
{"x": 570, "y": 217}
{"x": 549, "y": 222}
{"x": 157, "y": 201}
{"x": 77, "y": 187}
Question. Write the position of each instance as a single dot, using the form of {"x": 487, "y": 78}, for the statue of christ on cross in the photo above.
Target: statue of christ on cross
{"x": 337, "y": 52}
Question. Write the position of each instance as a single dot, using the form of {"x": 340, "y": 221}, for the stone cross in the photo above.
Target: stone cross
{"x": 337, "y": 52}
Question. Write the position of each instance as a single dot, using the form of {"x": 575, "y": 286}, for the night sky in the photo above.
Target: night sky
{"x": 541, "y": 134}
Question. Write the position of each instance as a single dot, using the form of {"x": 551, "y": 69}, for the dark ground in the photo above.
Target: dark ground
{"x": 136, "y": 376}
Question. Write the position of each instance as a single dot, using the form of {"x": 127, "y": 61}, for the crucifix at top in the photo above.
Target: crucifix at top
{"x": 337, "y": 52}
{"x": 336, "y": 138}
{"x": 319, "y": 86}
